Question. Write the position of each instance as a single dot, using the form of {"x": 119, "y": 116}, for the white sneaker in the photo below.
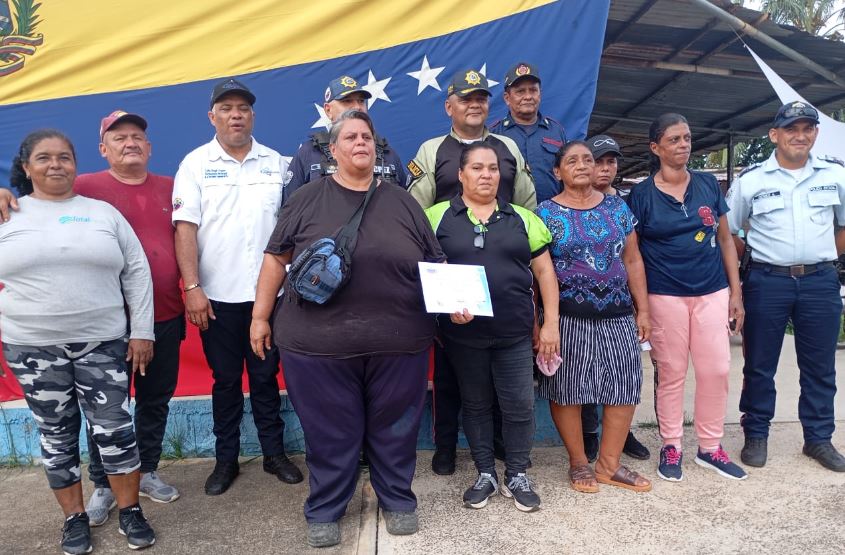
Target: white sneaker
{"x": 101, "y": 502}
{"x": 154, "y": 488}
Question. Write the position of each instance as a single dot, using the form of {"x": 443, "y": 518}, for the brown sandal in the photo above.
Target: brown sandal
{"x": 625, "y": 478}
{"x": 582, "y": 473}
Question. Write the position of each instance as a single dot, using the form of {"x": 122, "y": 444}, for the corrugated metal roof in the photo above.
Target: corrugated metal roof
{"x": 729, "y": 94}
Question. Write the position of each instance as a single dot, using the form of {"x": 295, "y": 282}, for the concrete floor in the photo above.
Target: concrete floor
{"x": 792, "y": 505}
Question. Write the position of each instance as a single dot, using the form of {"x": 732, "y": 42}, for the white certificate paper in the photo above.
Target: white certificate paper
{"x": 449, "y": 288}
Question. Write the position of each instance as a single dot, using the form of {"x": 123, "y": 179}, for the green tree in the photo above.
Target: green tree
{"x": 817, "y": 17}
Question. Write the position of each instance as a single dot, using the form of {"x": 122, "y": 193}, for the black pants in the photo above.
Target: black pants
{"x": 370, "y": 402}
{"x": 152, "y": 395}
{"x": 226, "y": 347}
{"x": 502, "y": 369}
{"x": 590, "y": 418}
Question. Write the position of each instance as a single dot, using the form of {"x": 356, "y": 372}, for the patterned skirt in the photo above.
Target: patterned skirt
{"x": 601, "y": 363}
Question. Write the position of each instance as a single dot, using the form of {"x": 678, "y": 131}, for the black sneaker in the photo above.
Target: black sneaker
{"x": 520, "y": 488}
{"x": 135, "y": 527}
{"x": 221, "y": 477}
{"x": 634, "y": 449}
{"x": 826, "y": 455}
{"x": 755, "y": 451}
{"x": 485, "y": 486}
{"x": 443, "y": 461}
{"x": 591, "y": 446}
{"x": 76, "y": 534}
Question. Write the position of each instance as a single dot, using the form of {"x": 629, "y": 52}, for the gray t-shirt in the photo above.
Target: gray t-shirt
{"x": 68, "y": 267}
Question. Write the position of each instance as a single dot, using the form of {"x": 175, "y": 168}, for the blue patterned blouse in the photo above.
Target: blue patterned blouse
{"x": 586, "y": 249}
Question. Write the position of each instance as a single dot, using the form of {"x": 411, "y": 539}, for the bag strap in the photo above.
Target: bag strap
{"x": 348, "y": 235}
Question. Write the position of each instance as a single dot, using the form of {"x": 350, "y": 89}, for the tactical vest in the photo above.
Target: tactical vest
{"x": 328, "y": 165}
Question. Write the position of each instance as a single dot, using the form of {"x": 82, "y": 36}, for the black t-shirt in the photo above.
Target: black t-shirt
{"x": 380, "y": 310}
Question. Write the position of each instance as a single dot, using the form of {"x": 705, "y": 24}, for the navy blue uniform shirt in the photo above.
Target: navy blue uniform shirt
{"x": 312, "y": 162}
{"x": 678, "y": 239}
{"x": 538, "y": 144}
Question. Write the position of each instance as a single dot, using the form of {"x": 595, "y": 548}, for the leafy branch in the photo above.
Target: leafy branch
{"x": 25, "y": 16}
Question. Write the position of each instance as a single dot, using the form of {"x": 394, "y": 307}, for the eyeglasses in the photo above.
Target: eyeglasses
{"x": 800, "y": 111}
{"x": 480, "y": 233}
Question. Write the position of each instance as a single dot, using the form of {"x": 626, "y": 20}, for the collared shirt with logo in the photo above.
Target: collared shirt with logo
{"x": 791, "y": 216}
{"x": 235, "y": 206}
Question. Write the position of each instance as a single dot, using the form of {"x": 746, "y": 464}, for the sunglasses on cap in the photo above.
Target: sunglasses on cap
{"x": 800, "y": 112}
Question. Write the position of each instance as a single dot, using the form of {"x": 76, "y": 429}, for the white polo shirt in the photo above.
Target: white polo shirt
{"x": 235, "y": 206}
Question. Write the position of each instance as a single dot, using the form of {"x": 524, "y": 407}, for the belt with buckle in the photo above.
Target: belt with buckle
{"x": 792, "y": 271}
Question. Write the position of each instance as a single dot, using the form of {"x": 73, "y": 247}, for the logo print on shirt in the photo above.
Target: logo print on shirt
{"x": 706, "y": 216}
{"x": 215, "y": 173}
{"x": 177, "y": 203}
{"x": 73, "y": 219}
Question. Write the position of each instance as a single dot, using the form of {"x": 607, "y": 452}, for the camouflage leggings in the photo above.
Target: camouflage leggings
{"x": 56, "y": 381}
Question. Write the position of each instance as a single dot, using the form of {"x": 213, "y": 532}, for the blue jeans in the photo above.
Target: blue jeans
{"x": 502, "y": 368}
{"x": 813, "y": 304}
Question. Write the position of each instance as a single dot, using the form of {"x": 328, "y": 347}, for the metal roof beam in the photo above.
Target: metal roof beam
{"x": 634, "y": 19}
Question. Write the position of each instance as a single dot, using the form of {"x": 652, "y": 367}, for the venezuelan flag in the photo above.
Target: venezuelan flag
{"x": 67, "y": 64}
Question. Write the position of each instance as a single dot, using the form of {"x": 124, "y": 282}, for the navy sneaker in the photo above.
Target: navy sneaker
{"x": 670, "y": 464}
{"x": 521, "y": 489}
{"x": 135, "y": 527}
{"x": 719, "y": 461}
{"x": 485, "y": 486}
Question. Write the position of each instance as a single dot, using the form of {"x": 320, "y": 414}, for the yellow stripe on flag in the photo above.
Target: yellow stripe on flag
{"x": 98, "y": 46}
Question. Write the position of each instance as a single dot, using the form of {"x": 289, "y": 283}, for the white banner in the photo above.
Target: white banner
{"x": 831, "y": 140}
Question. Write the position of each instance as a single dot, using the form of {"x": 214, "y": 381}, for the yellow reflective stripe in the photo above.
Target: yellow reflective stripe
{"x": 100, "y": 46}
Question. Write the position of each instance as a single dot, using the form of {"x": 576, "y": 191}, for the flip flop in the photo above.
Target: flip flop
{"x": 582, "y": 472}
{"x": 624, "y": 478}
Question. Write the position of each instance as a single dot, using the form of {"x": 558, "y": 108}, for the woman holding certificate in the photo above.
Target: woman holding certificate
{"x": 492, "y": 356}
{"x": 602, "y": 281}
{"x": 356, "y": 367}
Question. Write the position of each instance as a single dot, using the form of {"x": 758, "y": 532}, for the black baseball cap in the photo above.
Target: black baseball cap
{"x": 522, "y": 70}
{"x": 342, "y": 87}
{"x": 228, "y": 86}
{"x": 468, "y": 81}
{"x": 602, "y": 144}
{"x": 794, "y": 111}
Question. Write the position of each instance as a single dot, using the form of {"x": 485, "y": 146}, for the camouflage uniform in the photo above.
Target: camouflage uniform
{"x": 56, "y": 381}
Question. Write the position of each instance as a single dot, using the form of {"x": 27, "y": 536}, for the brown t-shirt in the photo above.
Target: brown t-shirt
{"x": 380, "y": 310}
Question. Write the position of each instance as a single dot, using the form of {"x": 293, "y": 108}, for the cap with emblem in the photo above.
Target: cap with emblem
{"x": 794, "y": 111}
{"x": 602, "y": 144}
{"x": 119, "y": 116}
{"x": 231, "y": 86}
{"x": 342, "y": 87}
{"x": 468, "y": 81}
{"x": 522, "y": 70}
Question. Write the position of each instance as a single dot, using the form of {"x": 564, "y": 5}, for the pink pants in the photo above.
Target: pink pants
{"x": 697, "y": 326}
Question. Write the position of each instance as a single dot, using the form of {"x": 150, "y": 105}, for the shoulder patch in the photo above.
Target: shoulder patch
{"x": 415, "y": 170}
{"x": 832, "y": 160}
{"x": 750, "y": 168}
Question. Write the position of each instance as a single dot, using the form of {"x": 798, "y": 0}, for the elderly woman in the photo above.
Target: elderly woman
{"x": 694, "y": 295}
{"x": 68, "y": 264}
{"x": 356, "y": 367}
{"x": 602, "y": 282}
{"x": 493, "y": 355}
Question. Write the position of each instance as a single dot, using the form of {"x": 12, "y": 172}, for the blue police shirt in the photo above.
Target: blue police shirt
{"x": 538, "y": 143}
{"x": 678, "y": 239}
{"x": 790, "y": 217}
{"x": 310, "y": 164}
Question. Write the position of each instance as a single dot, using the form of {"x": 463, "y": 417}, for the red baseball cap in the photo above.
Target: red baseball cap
{"x": 120, "y": 116}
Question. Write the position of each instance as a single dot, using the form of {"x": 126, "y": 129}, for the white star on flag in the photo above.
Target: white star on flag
{"x": 427, "y": 76}
{"x": 324, "y": 120}
{"x": 490, "y": 82}
{"x": 376, "y": 88}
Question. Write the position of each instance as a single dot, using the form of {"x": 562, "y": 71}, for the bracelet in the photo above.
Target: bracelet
{"x": 191, "y": 286}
